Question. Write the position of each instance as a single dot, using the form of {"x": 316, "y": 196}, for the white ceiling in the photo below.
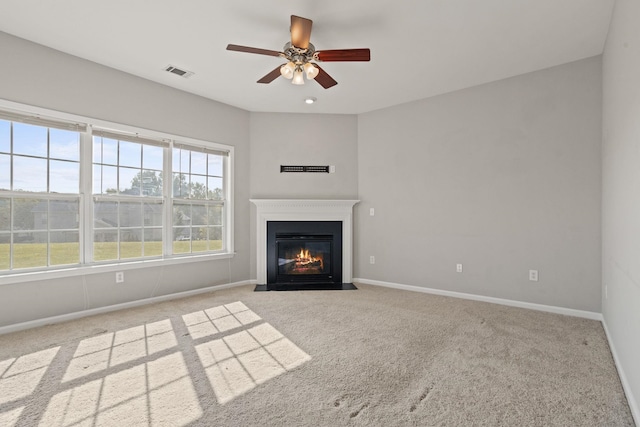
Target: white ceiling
{"x": 419, "y": 48}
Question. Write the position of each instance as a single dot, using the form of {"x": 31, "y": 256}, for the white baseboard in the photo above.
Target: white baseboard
{"x": 513, "y": 303}
{"x": 633, "y": 406}
{"x": 99, "y": 310}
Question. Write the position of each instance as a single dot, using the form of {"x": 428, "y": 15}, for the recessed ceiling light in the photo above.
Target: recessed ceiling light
{"x": 310, "y": 100}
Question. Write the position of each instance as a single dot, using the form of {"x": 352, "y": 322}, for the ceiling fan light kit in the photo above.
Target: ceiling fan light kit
{"x": 302, "y": 55}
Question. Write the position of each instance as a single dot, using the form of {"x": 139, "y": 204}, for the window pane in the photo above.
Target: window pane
{"x": 199, "y": 239}
{"x": 215, "y": 189}
{"x": 97, "y": 149}
{"x": 5, "y": 260}
{"x": 105, "y": 215}
{"x": 105, "y": 245}
{"x": 215, "y": 215}
{"x": 128, "y": 180}
{"x": 151, "y": 183}
{"x": 198, "y": 215}
{"x": 30, "y": 249}
{"x": 29, "y": 139}
{"x": 29, "y": 174}
{"x": 152, "y": 242}
{"x": 64, "y": 144}
{"x": 105, "y": 179}
{"x": 198, "y": 163}
{"x": 5, "y": 172}
{"x": 97, "y": 179}
{"x": 198, "y": 187}
{"x": 5, "y": 214}
{"x": 65, "y": 247}
{"x": 109, "y": 151}
{"x": 181, "y": 240}
{"x": 5, "y": 136}
{"x": 215, "y": 165}
{"x": 199, "y": 233}
{"x": 180, "y": 160}
{"x": 152, "y": 215}
{"x": 131, "y": 215}
{"x": 152, "y": 157}
{"x": 130, "y": 154}
{"x": 180, "y": 185}
{"x": 215, "y": 238}
{"x": 29, "y": 214}
{"x": 131, "y": 243}
{"x": 64, "y": 177}
{"x": 63, "y": 214}
{"x": 181, "y": 214}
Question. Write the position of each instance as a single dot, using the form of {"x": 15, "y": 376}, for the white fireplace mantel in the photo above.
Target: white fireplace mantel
{"x": 304, "y": 210}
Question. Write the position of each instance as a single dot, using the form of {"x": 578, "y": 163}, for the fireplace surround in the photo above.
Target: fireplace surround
{"x": 325, "y": 227}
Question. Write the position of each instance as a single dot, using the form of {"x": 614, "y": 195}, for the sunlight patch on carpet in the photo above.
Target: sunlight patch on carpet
{"x": 159, "y": 392}
{"x": 10, "y": 418}
{"x": 237, "y": 363}
{"x": 219, "y": 319}
{"x": 116, "y": 348}
{"x": 20, "y": 376}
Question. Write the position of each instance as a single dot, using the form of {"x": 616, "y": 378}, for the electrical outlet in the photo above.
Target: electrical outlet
{"x": 120, "y": 277}
{"x": 372, "y": 259}
{"x": 459, "y": 268}
{"x": 533, "y": 275}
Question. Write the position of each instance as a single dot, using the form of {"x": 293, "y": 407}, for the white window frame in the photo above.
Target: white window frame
{"x": 86, "y": 200}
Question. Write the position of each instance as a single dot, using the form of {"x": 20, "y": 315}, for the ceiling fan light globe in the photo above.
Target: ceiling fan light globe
{"x": 287, "y": 70}
{"x": 311, "y": 70}
{"x": 298, "y": 79}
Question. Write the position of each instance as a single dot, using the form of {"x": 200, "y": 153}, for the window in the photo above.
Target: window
{"x": 151, "y": 197}
{"x": 198, "y": 199}
{"x": 128, "y": 197}
{"x": 39, "y": 193}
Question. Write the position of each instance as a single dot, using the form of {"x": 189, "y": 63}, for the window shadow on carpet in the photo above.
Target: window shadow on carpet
{"x": 145, "y": 375}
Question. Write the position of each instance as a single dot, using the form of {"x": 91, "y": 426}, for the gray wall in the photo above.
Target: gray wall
{"x": 50, "y": 79}
{"x": 303, "y": 139}
{"x": 503, "y": 178}
{"x": 621, "y": 193}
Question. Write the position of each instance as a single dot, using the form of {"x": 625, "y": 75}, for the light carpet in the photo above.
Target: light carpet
{"x": 371, "y": 357}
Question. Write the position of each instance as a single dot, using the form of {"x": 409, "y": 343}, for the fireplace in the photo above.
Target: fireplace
{"x": 303, "y": 244}
{"x": 304, "y": 252}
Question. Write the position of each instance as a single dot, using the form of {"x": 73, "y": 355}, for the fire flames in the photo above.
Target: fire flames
{"x": 304, "y": 258}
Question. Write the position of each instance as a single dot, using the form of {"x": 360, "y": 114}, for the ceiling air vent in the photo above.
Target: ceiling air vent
{"x": 179, "y": 72}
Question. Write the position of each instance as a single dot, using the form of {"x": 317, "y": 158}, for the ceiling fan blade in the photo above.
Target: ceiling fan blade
{"x": 324, "y": 79}
{"x": 271, "y": 76}
{"x": 344, "y": 55}
{"x": 300, "y": 31}
{"x": 248, "y": 49}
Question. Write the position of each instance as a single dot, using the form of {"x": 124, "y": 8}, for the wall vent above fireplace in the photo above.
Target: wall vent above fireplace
{"x": 284, "y": 169}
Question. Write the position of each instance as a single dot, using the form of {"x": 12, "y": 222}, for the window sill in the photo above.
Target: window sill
{"x": 31, "y": 276}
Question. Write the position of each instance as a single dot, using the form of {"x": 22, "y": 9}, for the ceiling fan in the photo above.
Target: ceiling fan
{"x": 301, "y": 56}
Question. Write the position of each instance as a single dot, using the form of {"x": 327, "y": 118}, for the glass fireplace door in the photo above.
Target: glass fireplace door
{"x": 304, "y": 258}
